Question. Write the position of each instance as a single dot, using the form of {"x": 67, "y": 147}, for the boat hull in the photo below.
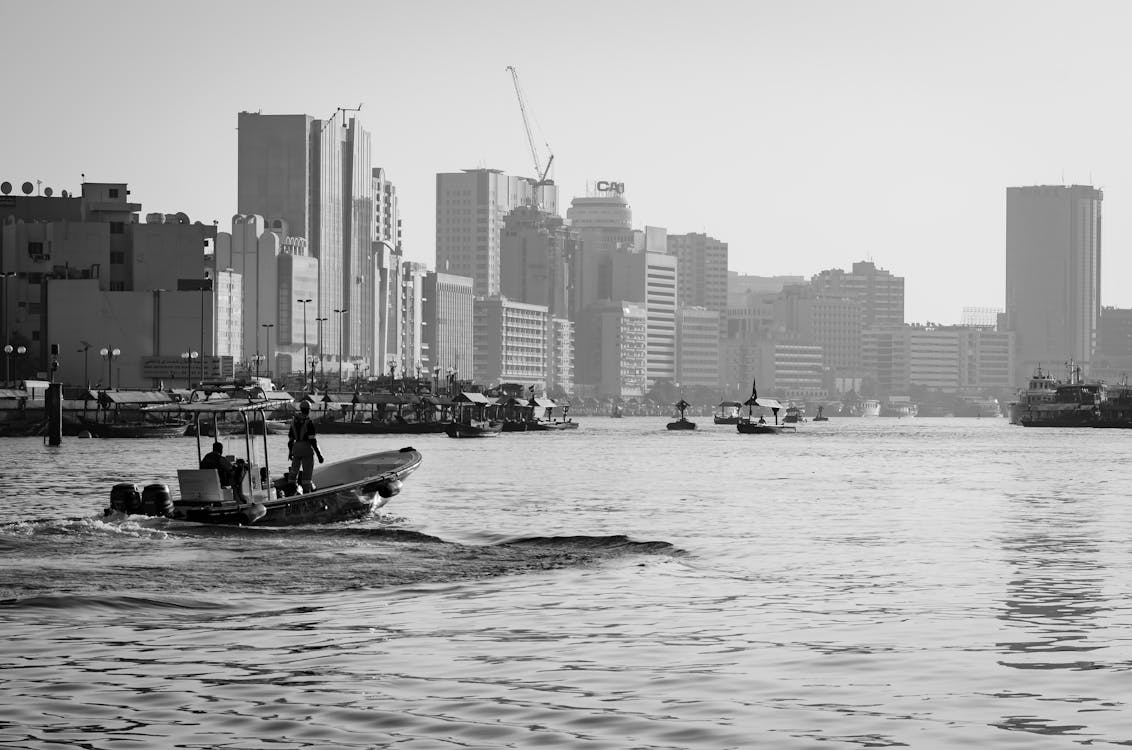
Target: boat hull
{"x": 726, "y": 420}
{"x": 134, "y": 431}
{"x": 458, "y": 430}
{"x": 682, "y": 424}
{"x": 754, "y": 428}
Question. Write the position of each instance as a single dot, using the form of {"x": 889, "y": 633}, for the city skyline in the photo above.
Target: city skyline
{"x": 807, "y": 137}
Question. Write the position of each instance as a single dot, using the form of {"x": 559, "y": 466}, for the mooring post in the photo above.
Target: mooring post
{"x": 54, "y": 405}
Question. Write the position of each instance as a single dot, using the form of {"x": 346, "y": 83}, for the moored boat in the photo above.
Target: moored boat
{"x": 727, "y": 412}
{"x": 471, "y": 418}
{"x": 820, "y": 417}
{"x": 343, "y": 490}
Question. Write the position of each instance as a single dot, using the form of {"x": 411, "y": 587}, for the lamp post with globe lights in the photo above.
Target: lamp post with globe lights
{"x": 109, "y": 353}
{"x": 189, "y": 357}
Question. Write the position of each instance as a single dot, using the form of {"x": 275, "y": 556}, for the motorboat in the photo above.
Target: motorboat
{"x": 682, "y": 423}
{"x": 341, "y": 490}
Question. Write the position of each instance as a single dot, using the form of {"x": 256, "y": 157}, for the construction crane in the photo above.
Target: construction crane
{"x": 542, "y": 173}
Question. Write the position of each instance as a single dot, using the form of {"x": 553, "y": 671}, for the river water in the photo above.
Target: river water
{"x": 862, "y": 583}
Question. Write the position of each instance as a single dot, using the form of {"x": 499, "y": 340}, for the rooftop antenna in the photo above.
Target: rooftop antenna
{"x": 343, "y": 110}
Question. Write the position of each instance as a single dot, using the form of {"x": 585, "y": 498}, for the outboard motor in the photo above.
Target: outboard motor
{"x": 156, "y": 500}
{"x": 125, "y": 498}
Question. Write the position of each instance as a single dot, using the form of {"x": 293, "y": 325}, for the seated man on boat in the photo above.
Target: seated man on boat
{"x": 217, "y": 460}
{"x": 302, "y": 446}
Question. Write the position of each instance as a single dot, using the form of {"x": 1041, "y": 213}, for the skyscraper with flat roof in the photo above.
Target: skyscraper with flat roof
{"x": 316, "y": 175}
{"x": 1053, "y": 274}
{"x": 470, "y": 207}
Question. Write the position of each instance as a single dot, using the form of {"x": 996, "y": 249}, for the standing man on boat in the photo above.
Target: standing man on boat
{"x": 302, "y": 446}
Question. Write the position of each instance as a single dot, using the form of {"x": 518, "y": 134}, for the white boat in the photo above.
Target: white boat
{"x": 870, "y": 408}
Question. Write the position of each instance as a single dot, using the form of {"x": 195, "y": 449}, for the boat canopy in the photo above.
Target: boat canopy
{"x": 473, "y": 398}
{"x": 134, "y": 397}
{"x": 767, "y": 403}
{"x": 544, "y": 402}
{"x": 214, "y": 406}
{"x": 729, "y": 404}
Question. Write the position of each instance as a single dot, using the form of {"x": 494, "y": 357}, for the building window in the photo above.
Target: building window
{"x": 113, "y": 192}
{"x": 118, "y": 257}
{"x": 35, "y": 249}
{"x": 117, "y": 286}
{"x": 117, "y": 227}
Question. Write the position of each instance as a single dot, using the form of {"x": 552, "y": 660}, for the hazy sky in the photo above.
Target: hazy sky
{"x": 807, "y": 135}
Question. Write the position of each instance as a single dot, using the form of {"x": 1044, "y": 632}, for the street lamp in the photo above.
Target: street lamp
{"x": 109, "y": 353}
{"x": 9, "y": 351}
{"x": 267, "y": 344}
{"x": 7, "y": 301}
{"x": 189, "y": 357}
{"x": 341, "y": 350}
{"x": 304, "y": 304}
{"x": 321, "y": 353}
{"x": 86, "y": 369}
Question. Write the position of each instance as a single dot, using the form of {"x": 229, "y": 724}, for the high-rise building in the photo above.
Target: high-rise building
{"x": 697, "y": 347}
{"x": 510, "y": 342}
{"x": 702, "y": 270}
{"x": 316, "y": 176}
{"x": 1053, "y": 274}
{"x": 616, "y": 365}
{"x": 470, "y": 207}
{"x": 604, "y": 222}
{"x": 648, "y": 276}
{"x": 833, "y": 323}
{"x": 446, "y": 314}
{"x": 413, "y": 346}
{"x": 880, "y": 294}
{"x": 560, "y": 355}
{"x": 536, "y": 251}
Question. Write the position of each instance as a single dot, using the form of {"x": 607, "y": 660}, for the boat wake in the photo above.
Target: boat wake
{"x": 139, "y": 558}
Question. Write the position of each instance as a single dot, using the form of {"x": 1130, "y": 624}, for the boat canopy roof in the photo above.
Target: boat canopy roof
{"x": 473, "y": 397}
{"x": 544, "y": 402}
{"x": 682, "y": 404}
{"x": 723, "y": 404}
{"x": 134, "y": 397}
{"x": 214, "y": 406}
{"x": 767, "y": 403}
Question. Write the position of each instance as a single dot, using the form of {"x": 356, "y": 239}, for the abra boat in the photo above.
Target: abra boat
{"x": 471, "y": 419}
{"x": 344, "y": 490}
{"x": 727, "y": 412}
{"x": 792, "y": 415}
{"x": 683, "y": 423}
{"x": 820, "y": 417}
{"x": 750, "y": 426}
